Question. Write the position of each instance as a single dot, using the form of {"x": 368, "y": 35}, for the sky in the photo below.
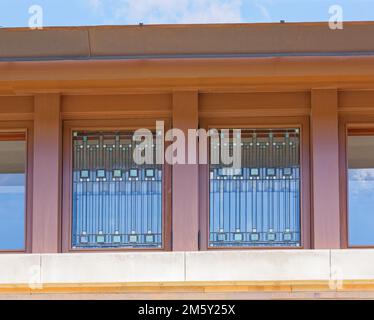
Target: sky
{"x": 15, "y": 13}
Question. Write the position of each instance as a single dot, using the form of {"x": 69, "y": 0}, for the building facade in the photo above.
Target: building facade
{"x": 80, "y": 218}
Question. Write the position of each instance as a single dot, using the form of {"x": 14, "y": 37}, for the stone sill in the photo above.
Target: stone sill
{"x": 256, "y": 267}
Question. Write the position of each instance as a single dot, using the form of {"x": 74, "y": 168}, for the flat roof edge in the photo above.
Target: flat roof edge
{"x": 179, "y": 41}
{"x": 187, "y": 25}
{"x": 191, "y": 56}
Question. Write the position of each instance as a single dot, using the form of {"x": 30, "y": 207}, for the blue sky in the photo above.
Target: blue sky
{"x": 14, "y": 13}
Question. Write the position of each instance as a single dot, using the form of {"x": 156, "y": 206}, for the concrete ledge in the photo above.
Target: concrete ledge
{"x": 112, "y": 267}
{"x": 352, "y": 264}
{"x": 20, "y": 269}
{"x": 289, "y": 268}
{"x": 257, "y": 265}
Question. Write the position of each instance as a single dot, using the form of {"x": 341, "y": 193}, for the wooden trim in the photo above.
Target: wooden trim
{"x": 356, "y": 101}
{"x": 325, "y": 172}
{"x": 247, "y": 104}
{"x": 47, "y": 174}
{"x": 13, "y": 136}
{"x": 94, "y": 125}
{"x": 280, "y": 122}
{"x": 118, "y": 106}
{"x": 343, "y": 184}
{"x": 253, "y": 73}
{"x": 193, "y": 287}
{"x": 185, "y": 176}
{"x": 360, "y": 131}
{"x": 24, "y": 129}
{"x": 16, "y": 108}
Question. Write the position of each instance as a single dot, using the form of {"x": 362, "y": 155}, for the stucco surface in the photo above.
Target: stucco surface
{"x": 224, "y": 266}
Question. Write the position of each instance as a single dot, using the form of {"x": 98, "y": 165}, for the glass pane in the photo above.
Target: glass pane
{"x": 258, "y": 205}
{"x": 12, "y": 192}
{"x": 360, "y": 151}
{"x": 116, "y": 202}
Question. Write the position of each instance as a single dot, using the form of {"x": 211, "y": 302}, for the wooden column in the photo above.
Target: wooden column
{"x": 325, "y": 167}
{"x": 185, "y": 210}
{"x": 46, "y": 185}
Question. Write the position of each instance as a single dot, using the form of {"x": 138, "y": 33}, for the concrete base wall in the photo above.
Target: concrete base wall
{"x": 187, "y": 275}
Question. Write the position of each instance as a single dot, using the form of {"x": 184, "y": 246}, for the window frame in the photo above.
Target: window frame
{"x": 66, "y": 207}
{"x": 366, "y": 123}
{"x": 302, "y": 123}
{"x": 27, "y": 128}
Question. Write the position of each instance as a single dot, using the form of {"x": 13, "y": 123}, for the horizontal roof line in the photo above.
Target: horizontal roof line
{"x": 187, "y": 25}
{"x": 190, "y": 56}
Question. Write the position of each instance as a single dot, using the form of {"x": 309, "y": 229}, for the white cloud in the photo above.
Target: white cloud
{"x": 361, "y": 180}
{"x": 170, "y": 11}
{"x": 95, "y": 4}
{"x": 263, "y": 9}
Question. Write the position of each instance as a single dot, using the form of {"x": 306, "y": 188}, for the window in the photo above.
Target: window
{"x": 259, "y": 204}
{"x": 116, "y": 203}
{"x": 360, "y": 154}
{"x": 12, "y": 191}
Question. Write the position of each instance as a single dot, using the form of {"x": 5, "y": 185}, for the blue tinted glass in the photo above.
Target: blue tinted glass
{"x": 258, "y": 205}
{"x": 12, "y": 195}
{"x": 361, "y": 206}
{"x": 361, "y": 190}
{"x": 116, "y": 202}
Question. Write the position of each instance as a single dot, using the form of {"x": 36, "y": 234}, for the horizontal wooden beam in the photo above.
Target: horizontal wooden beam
{"x": 203, "y": 73}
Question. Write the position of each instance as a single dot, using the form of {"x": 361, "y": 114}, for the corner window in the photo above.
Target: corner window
{"x": 116, "y": 203}
{"x": 360, "y": 155}
{"x": 12, "y": 191}
{"x": 258, "y": 205}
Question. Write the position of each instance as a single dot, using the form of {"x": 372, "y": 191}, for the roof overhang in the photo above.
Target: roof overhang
{"x": 297, "y": 73}
{"x": 279, "y": 56}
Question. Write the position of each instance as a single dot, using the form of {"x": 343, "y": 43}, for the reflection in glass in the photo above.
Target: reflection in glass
{"x": 360, "y": 152}
{"x": 12, "y": 191}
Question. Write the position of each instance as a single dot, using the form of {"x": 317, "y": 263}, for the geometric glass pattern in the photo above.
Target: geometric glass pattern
{"x": 261, "y": 207}
{"x": 116, "y": 202}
